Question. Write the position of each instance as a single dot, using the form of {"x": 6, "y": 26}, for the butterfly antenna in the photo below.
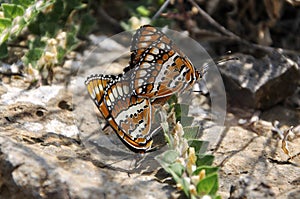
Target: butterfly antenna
{"x": 226, "y": 58}
{"x": 205, "y": 67}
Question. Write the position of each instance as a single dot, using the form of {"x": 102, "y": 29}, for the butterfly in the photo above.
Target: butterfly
{"x": 128, "y": 115}
{"x": 157, "y": 70}
{"x": 157, "y": 67}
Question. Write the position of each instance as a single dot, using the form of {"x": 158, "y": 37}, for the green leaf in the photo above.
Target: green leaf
{"x": 199, "y": 145}
{"x": 179, "y": 180}
{"x": 60, "y": 53}
{"x": 142, "y": 10}
{"x": 4, "y": 23}
{"x": 208, "y": 185}
{"x": 181, "y": 110}
{"x": 125, "y": 26}
{"x": 86, "y": 25}
{"x": 173, "y": 100}
{"x": 208, "y": 170}
{"x": 190, "y": 132}
{"x": 160, "y": 2}
{"x": 168, "y": 157}
{"x": 186, "y": 187}
{"x": 205, "y": 160}
{"x": 33, "y": 55}
{"x": 72, "y": 40}
{"x": 12, "y": 10}
{"x": 186, "y": 121}
{"x": 24, "y": 3}
{"x": 184, "y": 109}
{"x": 177, "y": 168}
{"x": 4, "y": 37}
{"x": 3, "y": 51}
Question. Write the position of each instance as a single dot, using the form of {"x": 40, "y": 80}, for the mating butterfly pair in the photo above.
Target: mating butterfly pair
{"x": 157, "y": 70}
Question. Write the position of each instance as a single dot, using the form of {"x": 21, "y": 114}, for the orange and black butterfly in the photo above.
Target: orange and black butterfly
{"x": 127, "y": 114}
{"x": 157, "y": 67}
{"x": 157, "y": 70}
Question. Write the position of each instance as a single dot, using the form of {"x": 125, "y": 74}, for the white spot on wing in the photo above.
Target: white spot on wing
{"x": 111, "y": 97}
{"x": 100, "y": 87}
{"x": 140, "y": 82}
{"x": 147, "y": 38}
{"x": 145, "y": 65}
{"x": 126, "y": 89}
{"x": 108, "y": 102}
{"x": 161, "y": 45}
{"x": 120, "y": 90}
{"x": 142, "y": 73}
{"x": 143, "y": 44}
{"x": 149, "y": 57}
{"x": 115, "y": 92}
{"x": 155, "y": 51}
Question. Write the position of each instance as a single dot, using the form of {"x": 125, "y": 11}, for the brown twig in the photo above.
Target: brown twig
{"x": 221, "y": 28}
{"x": 161, "y": 9}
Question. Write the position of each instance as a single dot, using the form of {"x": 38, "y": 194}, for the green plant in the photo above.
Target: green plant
{"x": 186, "y": 160}
{"x": 50, "y": 28}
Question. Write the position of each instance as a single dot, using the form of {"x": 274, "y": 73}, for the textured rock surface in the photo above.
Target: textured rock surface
{"x": 42, "y": 154}
{"x": 260, "y": 82}
{"x": 252, "y": 161}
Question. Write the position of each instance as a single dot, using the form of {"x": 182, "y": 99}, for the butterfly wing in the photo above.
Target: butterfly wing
{"x": 144, "y": 38}
{"x": 158, "y": 67}
{"x": 128, "y": 115}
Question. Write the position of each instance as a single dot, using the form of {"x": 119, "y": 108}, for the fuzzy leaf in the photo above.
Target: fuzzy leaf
{"x": 186, "y": 121}
{"x": 177, "y": 168}
{"x": 191, "y": 132}
{"x": 168, "y": 157}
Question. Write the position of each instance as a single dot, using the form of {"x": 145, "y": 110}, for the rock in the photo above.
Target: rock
{"x": 43, "y": 154}
{"x": 259, "y": 82}
{"x": 248, "y": 187}
{"x": 294, "y": 194}
{"x": 243, "y": 154}
{"x": 286, "y": 116}
{"x": 14, "y": 69}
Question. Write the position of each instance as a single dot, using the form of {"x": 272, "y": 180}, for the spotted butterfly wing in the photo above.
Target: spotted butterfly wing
{"x": 157, "y": 67}
{"x": 128, "y": 115}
